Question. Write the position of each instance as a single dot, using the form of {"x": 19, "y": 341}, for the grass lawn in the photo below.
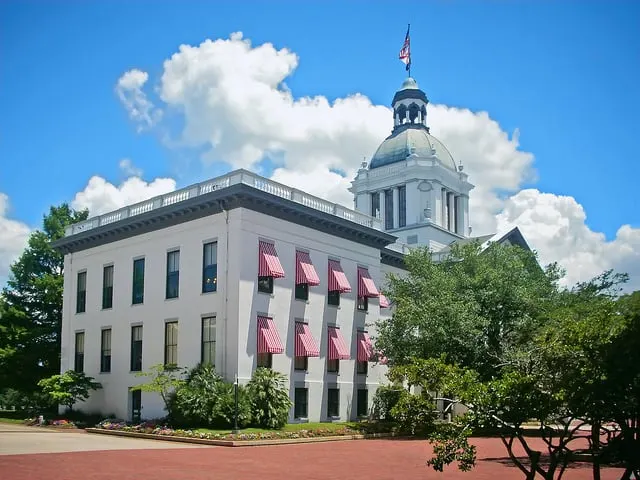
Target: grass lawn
{"x": 289, "y": 427}
{"x": 10, "y": 420}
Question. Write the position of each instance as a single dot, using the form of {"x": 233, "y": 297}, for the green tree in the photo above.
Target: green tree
{"x": 476, "y": 306}
{"x": 31, "y": 317}
{"x": 165, "y": 379}
{"x": 269, "y": 398}
{"x": 68, "y": 388}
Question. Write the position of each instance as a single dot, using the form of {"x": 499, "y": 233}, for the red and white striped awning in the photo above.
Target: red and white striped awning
{"x": 366, "y": 287}
{"x": 337, "y": 348}
{"x": 268, "y": 338}
{"x": 305, "y": 344}
{"x": 268, "y": 262}
{"x": 305, "y": 271}
{"x": 365, "y": 348}
{"x": 384, "y": 301}
{"x": 337, "y": 279}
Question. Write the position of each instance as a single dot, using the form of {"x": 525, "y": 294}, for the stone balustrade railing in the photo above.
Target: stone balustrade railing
{"x": 234, "y": 178}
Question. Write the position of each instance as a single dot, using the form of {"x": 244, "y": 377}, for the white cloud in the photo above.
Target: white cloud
{"x": 140, "y": 109}
{"x": 235, "y": 105}
{"x": 100, "y": 196}
{"x": 555, "y": 226}
{"x": 13, "y": 238}
{"x": 128, "y": 168}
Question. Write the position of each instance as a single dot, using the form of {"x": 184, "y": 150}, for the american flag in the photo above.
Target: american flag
{"x": 405, "y": 51}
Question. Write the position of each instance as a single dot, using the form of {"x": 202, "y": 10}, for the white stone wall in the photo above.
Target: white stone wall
{"x": 235, "y": 308}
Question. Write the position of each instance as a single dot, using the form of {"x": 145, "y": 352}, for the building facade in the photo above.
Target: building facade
{"x": 239, "y": 272}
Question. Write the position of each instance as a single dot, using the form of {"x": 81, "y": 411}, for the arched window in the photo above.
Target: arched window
{"x": 401, "y": 111}
{"x": 423, "y": 110}
{"x": 414, "y": 110}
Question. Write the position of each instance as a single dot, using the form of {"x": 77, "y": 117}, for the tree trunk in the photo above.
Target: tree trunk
{"x": 595, "y": 449}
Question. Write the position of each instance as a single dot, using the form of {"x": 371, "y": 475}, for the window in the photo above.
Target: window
{"x": 209, "y": 267}
{"x": 375, "y": 204}
{"x": 173, "y": 274}
{"x": 301, "y": 363}
{"x": 363, "y": 304}
{"x": 81, "y": 299}
{"x": 333, "y": 298}
{"x": 333, "y": 402}
{"x": 105, "y": 351}
{"x": 136, "y": 406}
{"x": 301, "y": 403}
{"x": 137, "y": 295}
{"x": 449, "y": 209}
{"x": 388, "y": 209}
{"x": 78, "y": 364}
{"x": 265, "y": 360}
{"x": 265, "y": 284}
{"x": 402, "y": 206}
{"x": 107, "y": 287}
{"x": 456, "y": 205}
{"x": 171, "y": 343}
{"x": 302, "y": 291}
{"x": 136, "y": 348}
{"x": 362, "y": 368}
{"x": 363, "y": 402}
{"x": 208, "y": 349}
{"x": 333, "y": 366}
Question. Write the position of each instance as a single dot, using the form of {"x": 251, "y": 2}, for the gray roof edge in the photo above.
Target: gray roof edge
{"x": 234, "y": 196}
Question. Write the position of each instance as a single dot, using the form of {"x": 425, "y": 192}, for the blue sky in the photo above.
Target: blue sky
{"x": 564, "y": 73}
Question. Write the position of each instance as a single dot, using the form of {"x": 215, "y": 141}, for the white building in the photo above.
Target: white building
{"x": 243, "y": 272}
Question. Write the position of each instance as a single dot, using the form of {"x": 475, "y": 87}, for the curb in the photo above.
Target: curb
{"x": 236, "y": 443}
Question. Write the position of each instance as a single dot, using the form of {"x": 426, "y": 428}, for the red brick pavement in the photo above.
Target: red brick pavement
{"x": 352, "y": 460}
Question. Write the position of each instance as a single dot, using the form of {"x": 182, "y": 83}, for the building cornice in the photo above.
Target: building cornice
{"x": 236, "y": 195}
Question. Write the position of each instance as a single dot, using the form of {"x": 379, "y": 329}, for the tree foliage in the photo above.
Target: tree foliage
{"x": 270, "y": 400}
{"x": 206, "y": 400}
{"x": 31, "y": 309}
{"x": 165, "y": 379}
{"x": 69, "y": 387}
{"x": 476, "y": 307}
{"x": 496, "y": 333}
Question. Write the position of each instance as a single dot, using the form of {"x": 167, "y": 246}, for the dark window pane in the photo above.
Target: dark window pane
{"x": 210, "y": 267}
{"x": 81, "y": 299}
{"x": 264, "y": 360}
{"x": 363, "y": 304}
{"x": 363, "y": 402}
{"x": 265, "y": 284}
{"x": 79, "y": 352}
{"x": 333, "y": 298}
{"x": 301, "y": 363}
{"x": 333, "y": 402}
{"x": 402, "y": 206}
{"x": 301, "y": 399}
{"x": 136, "y": 348}
{"x": 302, "y": 291}
{"x": 138, "y": 281}
{"x": 107, "y": 287}
{"x": 105, "y": 351}
{"x": 362, "y": 368}
{"x": 388, "y": 209}
{"x": 375, "y": 204}
{"x": 173, "y": 274}
{"x": 333, "y": 366}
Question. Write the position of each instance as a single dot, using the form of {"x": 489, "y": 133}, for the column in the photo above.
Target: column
{"x": 396, "y": 207}
{"x": 452, "y": 218}
{"x": 382, "y": 208}
{"x": 443, "y": 209}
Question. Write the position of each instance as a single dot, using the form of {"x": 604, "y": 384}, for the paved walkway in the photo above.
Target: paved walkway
{"x": 383, "y": 459}
{"x": 18, "y": 439}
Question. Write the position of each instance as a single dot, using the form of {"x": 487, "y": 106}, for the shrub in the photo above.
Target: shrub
{"x": 206, "y": 400}
{"x": 385, "y": 399}
{"x": 414, "y": 414}
{"x": 68, "y": 388}
{"x": 269, "y": 398}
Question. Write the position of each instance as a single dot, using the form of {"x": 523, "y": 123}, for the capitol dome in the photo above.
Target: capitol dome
{"x": 400, "y": 144}
{"x": 410, "y": 135}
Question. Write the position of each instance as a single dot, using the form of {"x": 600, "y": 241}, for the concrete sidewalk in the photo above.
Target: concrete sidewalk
{"x": 20, "y": 439}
